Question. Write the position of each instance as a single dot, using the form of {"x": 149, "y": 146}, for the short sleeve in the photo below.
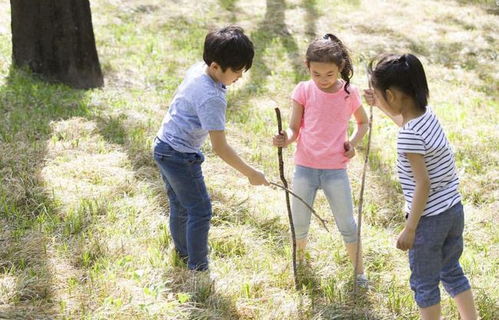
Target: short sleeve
{"x": 299, "y": 94}
{"x": 355, "y": 101}
{"x": 409, "y": 141}
{"x": 212, "y": 114}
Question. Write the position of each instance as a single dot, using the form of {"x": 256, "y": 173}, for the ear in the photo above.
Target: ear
{"x": 390, "y": 96}
{"x": 214, "y": 66}
{"x": 340, "y": 68}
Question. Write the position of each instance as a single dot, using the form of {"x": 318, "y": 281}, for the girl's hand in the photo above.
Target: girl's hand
{"x": 370, "y": 97}
{"x": 349, "y": 150}
{"x": 405, "y": 240}
{"x": 280, "y": 140}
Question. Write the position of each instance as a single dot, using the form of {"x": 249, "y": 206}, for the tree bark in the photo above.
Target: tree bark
{"x": 55, "y": 38}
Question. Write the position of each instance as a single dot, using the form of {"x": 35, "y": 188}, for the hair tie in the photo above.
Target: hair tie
{"x": 328, "y": 36}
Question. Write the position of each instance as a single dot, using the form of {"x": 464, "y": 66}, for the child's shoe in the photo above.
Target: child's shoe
{"x": 362, "y": 281}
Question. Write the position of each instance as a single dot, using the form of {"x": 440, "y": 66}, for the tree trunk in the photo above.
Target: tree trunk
{"x": 55, "y": 38}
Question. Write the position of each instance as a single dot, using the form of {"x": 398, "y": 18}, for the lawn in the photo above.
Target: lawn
{"x": 83, "y": 214}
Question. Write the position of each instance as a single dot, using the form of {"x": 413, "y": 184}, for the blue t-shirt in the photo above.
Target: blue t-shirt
{"x": 198, "y": 106}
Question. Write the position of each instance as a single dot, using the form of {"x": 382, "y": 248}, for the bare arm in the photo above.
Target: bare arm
{"x": 419, "y": 200}
{"x": 227, "y": 154}
{"x": 291, "y": 134}
{"x": 362, "y": 126}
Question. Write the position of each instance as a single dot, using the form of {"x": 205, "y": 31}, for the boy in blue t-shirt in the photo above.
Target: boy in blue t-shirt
{"x": 198, "y": 110}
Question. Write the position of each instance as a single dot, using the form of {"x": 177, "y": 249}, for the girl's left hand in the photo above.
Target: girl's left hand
{"x": 349, "y": 150}
{"x": 405, "y": 240}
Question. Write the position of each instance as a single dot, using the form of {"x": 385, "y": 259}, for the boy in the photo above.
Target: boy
{"x": 198, "y": 110}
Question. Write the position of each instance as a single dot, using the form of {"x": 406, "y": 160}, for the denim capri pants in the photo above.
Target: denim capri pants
{"x": 336, "y": 187}
{"x": 435, "y": 255}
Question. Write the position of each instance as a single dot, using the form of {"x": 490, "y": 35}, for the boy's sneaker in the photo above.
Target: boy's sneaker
{"x": 362, "y": 281}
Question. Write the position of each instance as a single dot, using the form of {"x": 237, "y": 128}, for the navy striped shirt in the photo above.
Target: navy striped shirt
{"x": 424, "y": 135}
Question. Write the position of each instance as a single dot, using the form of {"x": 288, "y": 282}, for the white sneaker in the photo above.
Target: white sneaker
{"x": 362, "y": 281}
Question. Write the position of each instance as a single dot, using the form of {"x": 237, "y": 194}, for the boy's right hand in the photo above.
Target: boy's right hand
{"x": 370, "y": 97}
{"x": 257, "y": 178}
{"x": 280, "y": 140}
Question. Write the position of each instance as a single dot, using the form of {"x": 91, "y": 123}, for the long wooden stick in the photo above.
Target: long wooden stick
{"x": 288, "y": 204}
{"x": 361, "y": 197}
{"x": 304, "y": 202}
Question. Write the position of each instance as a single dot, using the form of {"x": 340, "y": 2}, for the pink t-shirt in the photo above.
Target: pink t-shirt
{"x": 324, "y": 125}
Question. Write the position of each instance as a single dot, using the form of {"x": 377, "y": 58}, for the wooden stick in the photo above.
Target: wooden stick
{"x": 288, "y": 204}
{"x": 304, "y": 202}
{"x": 361, "y": 197}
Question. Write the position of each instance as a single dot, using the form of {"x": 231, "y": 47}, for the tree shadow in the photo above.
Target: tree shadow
{"x": 28, "y": 106}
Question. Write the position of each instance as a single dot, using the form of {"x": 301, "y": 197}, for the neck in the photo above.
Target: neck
{"x": 411, "y": 111}
{"x": 211, "y": 73}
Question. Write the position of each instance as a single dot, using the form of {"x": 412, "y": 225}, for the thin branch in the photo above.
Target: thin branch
{"x": 304, "y": 202}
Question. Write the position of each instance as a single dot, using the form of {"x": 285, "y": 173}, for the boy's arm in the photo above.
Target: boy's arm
{"x": 419, "y": 200}
{"x": 227, "y": 154}
{"x": 291, "y": 134}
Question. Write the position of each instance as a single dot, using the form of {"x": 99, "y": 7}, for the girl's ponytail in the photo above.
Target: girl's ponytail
{"x": 347, "y": 71}
{"x": 404, "y": 72}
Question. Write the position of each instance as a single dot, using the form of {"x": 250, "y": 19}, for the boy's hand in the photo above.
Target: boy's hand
{"x": 349, "y": 150}
{"x": 370, "y": 97}
{"x": 405, "y": 240}
{"x": 280, "y": 140}
{"x": 257, "y": 178}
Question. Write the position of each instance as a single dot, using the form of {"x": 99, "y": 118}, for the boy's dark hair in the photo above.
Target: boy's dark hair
{"x": 330, "y": 49}
{"x": 404, "y": 72}
{"x": 230, "y": 48}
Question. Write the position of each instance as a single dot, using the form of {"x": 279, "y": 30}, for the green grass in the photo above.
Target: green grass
{"x": 84, "y": 232}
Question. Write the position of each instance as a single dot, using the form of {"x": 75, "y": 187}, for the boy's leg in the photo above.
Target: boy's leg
{"x": 178, "y": 221}
{"x": 452, "y": 275}
{"x": 184, "y": 176}
{"x": 305, "y": 184}
{"x": 431, "y": 313}
{"x": 337, "y": 189}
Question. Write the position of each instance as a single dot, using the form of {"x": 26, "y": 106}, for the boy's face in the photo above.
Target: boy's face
{"x": 226, "y": 77}
{"x": 324, "y": 74}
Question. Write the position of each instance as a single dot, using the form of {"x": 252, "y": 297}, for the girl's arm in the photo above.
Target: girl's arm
{"x": 419, "y": 200}
{"x": 362, "y": 126}
{"x": 289, "y": 136}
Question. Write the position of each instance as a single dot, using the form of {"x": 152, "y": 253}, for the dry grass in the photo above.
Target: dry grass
{"x": 82, "y": 209}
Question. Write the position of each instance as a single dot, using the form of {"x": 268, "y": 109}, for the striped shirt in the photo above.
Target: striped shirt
{"x": 424, "y": 135}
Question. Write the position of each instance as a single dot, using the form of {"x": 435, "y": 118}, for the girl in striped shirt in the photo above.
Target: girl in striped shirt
{"x": 433, "y": 231}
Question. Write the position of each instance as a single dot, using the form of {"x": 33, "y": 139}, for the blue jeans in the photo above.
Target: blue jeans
{"x": 190, "y": 204}
{"x": 336, "y": 187}
{"x": 435, "y": 255}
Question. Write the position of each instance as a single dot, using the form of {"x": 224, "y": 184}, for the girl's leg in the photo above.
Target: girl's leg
{"x": 431, "y": 313}
{"x": 465, "y": 305}
{"x": 305, "y": 185}
{"x": 336, "y": 187}
{"x": 452, "y": 275}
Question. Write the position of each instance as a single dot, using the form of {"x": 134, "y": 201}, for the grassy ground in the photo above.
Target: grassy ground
{"x": 82, "y": 210}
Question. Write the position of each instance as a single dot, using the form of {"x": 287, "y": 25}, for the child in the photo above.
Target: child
{"x": 433, "y": 230}
{"x": 322, "y": 108}
{"x": 198, "y": 110}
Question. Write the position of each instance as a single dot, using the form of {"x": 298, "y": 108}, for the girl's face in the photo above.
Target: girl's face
{"x": 388, "y": 101}
{"x": 324, "y": 74}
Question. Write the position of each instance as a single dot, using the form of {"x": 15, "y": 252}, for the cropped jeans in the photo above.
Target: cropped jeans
{"x": 190, "y": 204}
{"x": 336, "y": 187}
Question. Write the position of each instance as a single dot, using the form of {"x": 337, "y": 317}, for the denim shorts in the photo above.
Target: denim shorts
{"x": 336, "y": 187}
{"x": 435, "y": 257}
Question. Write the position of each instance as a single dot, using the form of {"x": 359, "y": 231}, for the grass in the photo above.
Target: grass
{"x": 83, "y": 212}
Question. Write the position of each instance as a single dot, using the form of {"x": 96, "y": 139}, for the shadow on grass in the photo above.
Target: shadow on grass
{"x": 28, "y": 106}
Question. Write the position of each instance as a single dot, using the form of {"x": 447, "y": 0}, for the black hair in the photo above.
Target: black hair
{"x": 330, "y": 49}
{"x": 229, "y": 47}
{"x": 403, "y": 72}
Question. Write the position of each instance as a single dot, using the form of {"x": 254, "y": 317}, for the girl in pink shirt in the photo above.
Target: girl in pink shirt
{"x": 322, "y": 108}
